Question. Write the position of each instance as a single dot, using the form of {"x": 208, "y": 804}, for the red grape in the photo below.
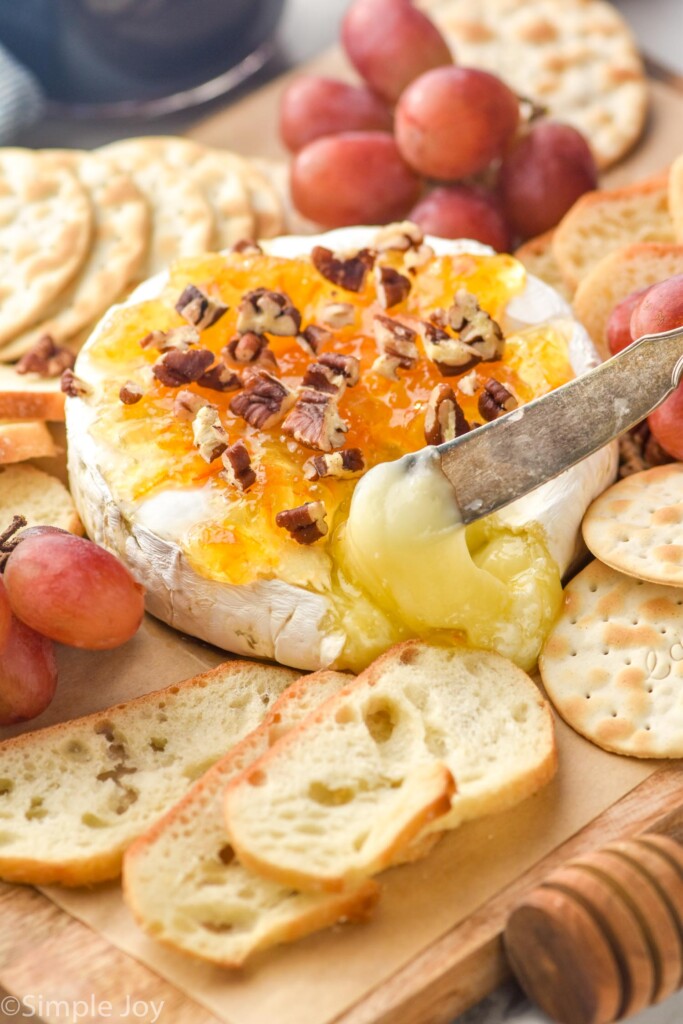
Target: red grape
{"x": 73, "y": 591}
{"x": 390, "y": 43}
{"x": 28, "y": 671}
{"x": 618, "y": 328}
{"x": 452, "y": 122}
{"x": 666, "y": 424}
{"x": 459, "y": 211}
{"x": 353, "y": 178}
{"x": 5, "y": 614}
{"x": 661, "y": 309}
{"x": 313, "y": 106}
{"x": 543, "y": 175}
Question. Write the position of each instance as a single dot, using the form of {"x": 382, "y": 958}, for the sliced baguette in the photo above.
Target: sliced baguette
{"x": 41, "y": 498}
{"x": 28, "y": 396}
{"x": 538, "y": 258}
{"x": 25, "y": 439}
{"x": 75, "y": 795}
{"x": 604, "y": 220}
{"x": 615, "y": 277}
{"x": 676, "y": 196}
{"x": 341, "y": 796}
{"x": 187, "y": 889}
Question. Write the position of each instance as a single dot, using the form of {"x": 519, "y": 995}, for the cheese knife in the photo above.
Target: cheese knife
{"x": 492, "y": 466}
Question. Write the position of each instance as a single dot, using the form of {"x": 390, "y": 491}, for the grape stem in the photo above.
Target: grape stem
{"x": 8, "y": 540}
{"x": 531, "y": 110}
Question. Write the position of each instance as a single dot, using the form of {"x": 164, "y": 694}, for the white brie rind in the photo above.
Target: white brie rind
{"x": 270, "y": 618}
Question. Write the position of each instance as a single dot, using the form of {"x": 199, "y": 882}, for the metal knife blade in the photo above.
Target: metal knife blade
{"x": 504, "y": 460}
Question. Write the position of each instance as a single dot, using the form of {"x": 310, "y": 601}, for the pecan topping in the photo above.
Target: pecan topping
{"x": 238, "y": 470}
{"x": 495, "y": 400}
{"x": 46, "y": 358}
{"x": 450, "y": 355}
{"x": 399, "y": 237}
{"x": 73, "y": 386}
{"x": 417, "y": 258}
{"x": 179, "y": 338}
{"x": 444, "y": 420}
{"x": 264, "y": 311}
{"x": 245, "y": 348}
{"x": 332, "y": 372}
{"x": 306, "y": 523}
{"x": 469, "y": 383}
{"x": 176, "y": 367}
{"x": 392, "y": 287}
{"x": 347, "y": 366}
{"x": 220, "y": 378}
{"x": 338, "y": 314}
{"x": 475, "y": 327}
{"x": 344, "y": 465}
{"x": 264, "y": 401}
{"x": 312, "y": 338}
{"x": 247, "y": 247}
{"x": 130, "y": 393}
{"x": 348, "y": 274}
{"x": 315, "y": 421}
{"x": 186, "y": 405}
{"x": 397, "y": 345}
{"x": 208, "y": 433}
{"x": 195, "y": 306}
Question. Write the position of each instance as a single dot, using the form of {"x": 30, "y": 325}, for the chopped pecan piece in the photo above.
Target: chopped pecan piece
{"x": 238, "y": 469}
{"x": 332, "y": 372}
{"x": 208, "y": 433}
{"x": 186, "y": 405}
{"x": 247, "y": 247}
{"x": 264, "y": 311}
{"x": 417, "y": 258}
{"x": 312, "y": 338}
{"x": 180, "y": 338}
{"x": 46, "y": 358}
{"x": 199, "y": 309}
{"x": 315, "y": 421}
{"x": 495, "y": 400}
{"x": 392, "y": 287}
{"x": 221, "y": 378}
{"x": 399, "y": 237}
{"x": 348, "y": 274}
{"x": 338, "y": 314}
{"x": 245, "y": 348}
{"x": 347, "y": 366}
{"x": 475, "y": 327}
{"x": 73, "y": 386}
{"x": 450, "y": 355}
{"x": 344, "y": 465}
{"x": 444, "y": 420}
{"x": 397, "y": 345}
{"x": 264, "y": 401}
{"x": 176, "y": 367}
{"x": 306, "y": 523}
{"x": 469, "y": 383}
{"x": 130, "y": 393}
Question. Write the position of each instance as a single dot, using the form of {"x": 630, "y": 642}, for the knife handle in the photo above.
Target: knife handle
{"x": 602, "y": 937}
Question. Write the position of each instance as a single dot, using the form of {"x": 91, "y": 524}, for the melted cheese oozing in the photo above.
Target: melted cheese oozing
{"x": 405, "y": 545}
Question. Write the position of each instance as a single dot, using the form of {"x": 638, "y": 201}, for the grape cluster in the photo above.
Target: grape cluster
{"x": 56, "y": 588}
{"x": 364, "y": 153}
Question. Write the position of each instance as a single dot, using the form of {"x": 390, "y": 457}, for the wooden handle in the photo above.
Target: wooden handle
{"x": 602, "y": 937}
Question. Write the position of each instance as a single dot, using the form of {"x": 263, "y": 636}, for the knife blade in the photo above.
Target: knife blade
{"x": 492, "y": 466}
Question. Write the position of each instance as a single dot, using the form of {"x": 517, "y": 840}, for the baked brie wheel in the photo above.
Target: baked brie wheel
{"x": 220, "y": 420}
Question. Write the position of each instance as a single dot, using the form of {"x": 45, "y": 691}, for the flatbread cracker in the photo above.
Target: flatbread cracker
{"x": 578, "y": 58}
{"x": 120, "y": 238}
{"x": 277, "y": 173}
{"x": 636, "y": 526}
{"x": 268, "y": 207}
{"x": 45, "y": 231}
{"x": 219, "y": 177}
{"x": 613, "y": 664}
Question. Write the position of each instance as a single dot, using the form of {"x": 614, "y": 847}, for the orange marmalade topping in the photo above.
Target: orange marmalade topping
{"x": 238, "y": 540}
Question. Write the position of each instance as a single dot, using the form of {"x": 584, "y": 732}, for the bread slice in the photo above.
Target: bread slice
{"x": 342, "y": 795}
{"x": 615, "y": 277}
{"x": 28, "y": 396}
{"x": 41, "y": 498}
{"x": 538, "y": 258}
{"x": 676, "y": 196}
{"x": 605, "y": 220}
{"x": 187, "y": 889}
{"x": 75, "y": 795}
{"x": 25, "y": 439}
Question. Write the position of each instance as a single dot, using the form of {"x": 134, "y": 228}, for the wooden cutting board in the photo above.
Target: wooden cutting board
{"x": 47, "y": 954}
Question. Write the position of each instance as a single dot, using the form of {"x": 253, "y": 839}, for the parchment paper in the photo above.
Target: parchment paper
{"x": 313, "y": 981}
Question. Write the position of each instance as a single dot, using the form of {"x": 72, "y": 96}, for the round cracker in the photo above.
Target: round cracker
{"x": 636, "y": 526}
{"x": 277, "y": 173}
{"x": 265, "y": 202}
{"x": 45, "y": 232}
{"x": 613, "y": 663}
{"x": 219, "y": 177}
{"x": 119, "y": 244}
{"x": 577, "y": 58}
